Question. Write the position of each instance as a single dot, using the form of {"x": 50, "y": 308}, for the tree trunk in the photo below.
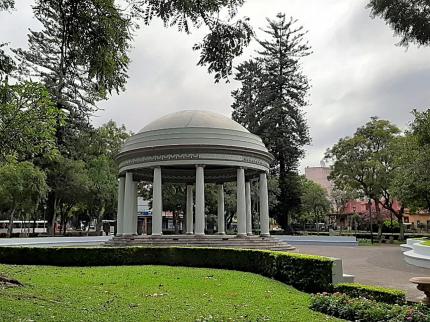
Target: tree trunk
{"x": 402, "y": 228}
{"x": 100, "y": 220}
{"x": 10, "y": 228}
{"x": 54, "y": 216}
{"x": 378, "y": 219}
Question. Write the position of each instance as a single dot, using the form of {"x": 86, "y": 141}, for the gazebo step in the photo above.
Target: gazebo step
{"x": 216, "y": 241}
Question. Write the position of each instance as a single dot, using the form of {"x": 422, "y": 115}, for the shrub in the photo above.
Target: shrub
{"x": 388, "y": 228}
{"x": 376, "y": 293}
{"x": 362, "y": 309}
{"x": 305, "y": 272}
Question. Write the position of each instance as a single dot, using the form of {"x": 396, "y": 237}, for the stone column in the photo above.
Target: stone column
{"x": 199, "y": 228}
{"x": 248, "y": 208}
{"x": 157, "y": 204}
{"x": 264, "y": 206}
{"x": 220, "y": 220}
{"x": 120, "y": 212}
{"x": 190, "y": 220}
{"x": 135, "y": 208}
{"x": 128, "y": 204}
{"x": 241, "y": 203}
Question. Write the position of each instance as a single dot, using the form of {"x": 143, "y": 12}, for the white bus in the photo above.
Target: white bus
{"x": 24, "y": 227}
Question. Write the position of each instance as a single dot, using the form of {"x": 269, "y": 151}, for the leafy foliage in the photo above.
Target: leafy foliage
{"x": 314, "y": 202}
{"x": 365, "y": 162}
{"x": 22, "y": 188}
{"x": 7, "y": 4}
{"x": 28, "y": 118}
{"x": 408, "y": 18}
{"x": 226, "y": 38}
{"x": 411, "y": 177}
{"x": 7, "y": 65}
{"x": 81, "y": 52}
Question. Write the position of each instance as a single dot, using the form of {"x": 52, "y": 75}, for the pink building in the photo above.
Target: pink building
{"x": 319, "y": 175}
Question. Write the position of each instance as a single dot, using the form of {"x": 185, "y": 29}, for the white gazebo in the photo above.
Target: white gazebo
{"x": 193, "y": 147}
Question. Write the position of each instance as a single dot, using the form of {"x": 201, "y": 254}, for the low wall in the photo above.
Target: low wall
{"x": 419, "y": 255}
{"x": 305, "y": 272}
{"x": 320, "y": 240}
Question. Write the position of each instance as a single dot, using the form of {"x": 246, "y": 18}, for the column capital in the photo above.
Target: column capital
{"x": 200, "y": 165}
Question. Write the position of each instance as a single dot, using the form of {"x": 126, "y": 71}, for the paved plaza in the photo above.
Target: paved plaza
{"x": 374, "y": 265}
{"x": 55, "y": 241}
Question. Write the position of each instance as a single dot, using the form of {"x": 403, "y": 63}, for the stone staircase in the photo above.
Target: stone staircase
{"x": 216, "y": 241}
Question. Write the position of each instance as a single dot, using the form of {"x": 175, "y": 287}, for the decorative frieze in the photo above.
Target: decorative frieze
{"x": 191, "y": 156}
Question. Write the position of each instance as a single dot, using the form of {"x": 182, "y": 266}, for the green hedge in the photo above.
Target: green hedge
{"x": 376, "y": 293}
{"x": 305, "y": 272}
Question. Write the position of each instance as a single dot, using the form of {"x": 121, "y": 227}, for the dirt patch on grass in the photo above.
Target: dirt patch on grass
{"x": 9, "y": 282}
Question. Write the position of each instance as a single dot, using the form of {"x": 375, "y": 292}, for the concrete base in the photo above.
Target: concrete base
{"x": 216, "y": 241}
{"x": 419, "y": 255}
{"x": 320, "y": 240}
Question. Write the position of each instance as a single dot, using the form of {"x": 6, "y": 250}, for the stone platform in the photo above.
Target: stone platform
{"x": 216, "y": 241}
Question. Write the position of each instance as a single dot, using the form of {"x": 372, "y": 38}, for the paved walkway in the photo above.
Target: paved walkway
{"x": 374, "y": 265}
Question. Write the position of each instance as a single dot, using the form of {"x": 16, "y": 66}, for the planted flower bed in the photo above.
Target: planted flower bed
{"x": 362, "y": 309}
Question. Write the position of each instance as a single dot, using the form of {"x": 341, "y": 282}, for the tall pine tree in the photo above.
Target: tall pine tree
{"x": 270, "y": 104}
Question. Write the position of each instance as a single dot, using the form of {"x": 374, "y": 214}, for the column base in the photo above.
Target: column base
{"x": 240, "y": 235}
{"x": 189, "y": 233}
{"x": 157, "y": 234}
{"x": 199, "y": 235}
{"x": 249, "y": 234}
{"x": 264, "y": 235}
{"x": 220, "y": 233}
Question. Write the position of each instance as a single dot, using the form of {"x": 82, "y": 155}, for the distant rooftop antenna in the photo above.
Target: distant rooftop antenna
{"x": 322, "y": 164}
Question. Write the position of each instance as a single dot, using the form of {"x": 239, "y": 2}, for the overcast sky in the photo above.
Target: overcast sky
{"x": 356, "y": 70}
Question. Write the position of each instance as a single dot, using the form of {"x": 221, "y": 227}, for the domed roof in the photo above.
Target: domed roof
{"x": 181, "y": 140}
{"x": 193, "y": 118}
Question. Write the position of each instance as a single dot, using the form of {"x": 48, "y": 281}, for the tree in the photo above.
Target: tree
{"x": 411, "y": 178}
{"x": 102, "y": 174}
{"x": 70, "y": 185}
{"x": 226, "y": 38}
{"x": 174, "y": 200}
{"x": 314, "y": 202}
{"x": 7, "y": 65}
{"x": 81, "y": 52}
{"x": 340, "y": 197}
{"x": 408, "y": 18}
{"x": 7, "y": 4}
{"x": 365, "y": 163}
{"x": 28, "y": 119}
{"x": 269, "y": 103}
{"x": 22, "y": 187}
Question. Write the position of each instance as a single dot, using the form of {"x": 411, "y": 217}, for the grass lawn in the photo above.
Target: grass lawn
{"x": 426, "y": 243}
{"x": 148, "y": 293}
